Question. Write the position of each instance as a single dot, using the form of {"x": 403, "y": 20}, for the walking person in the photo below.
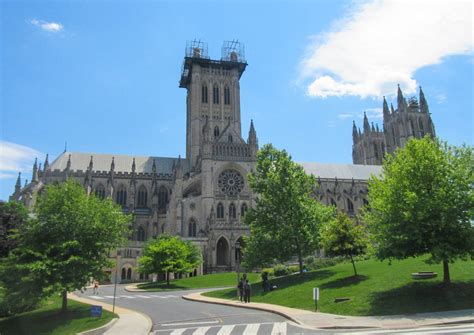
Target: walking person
{"x": 96, "y": 286}
{"x": 247, "y": 290}
{"x": 240, "y": 287}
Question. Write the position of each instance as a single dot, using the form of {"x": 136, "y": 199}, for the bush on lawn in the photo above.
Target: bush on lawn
{"x": 280, "y": 270}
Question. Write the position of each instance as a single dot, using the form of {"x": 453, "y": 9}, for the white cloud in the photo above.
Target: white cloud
{"x": 53, "y": 27}
{"x": 440, "y": 98}
{"x": 383, "y": 42}
{"x": 345, "y": 116}
{"x": 16, "y": 158}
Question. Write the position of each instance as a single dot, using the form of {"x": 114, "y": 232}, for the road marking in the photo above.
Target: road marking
{"x": 127, "y": 296}
{"x": 201, "y": 331}
{"x": 143, "y": 296}
{"x": 251, "y": 329}
{"x": 178, "y": 331}
{"x": 170, "y": 296}
{"x": 96, "y": 297}
{"x": 188, "y": 323}
{"x": 226, "y": 330}
{"x": 110, "y": 296}
{"x": 279, "y": 328}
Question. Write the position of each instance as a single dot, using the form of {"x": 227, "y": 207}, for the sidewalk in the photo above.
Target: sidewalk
{"x": 332, "y": 321}
{"x": 129, "y": 322}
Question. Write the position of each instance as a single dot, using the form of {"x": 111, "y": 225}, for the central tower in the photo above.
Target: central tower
{"x": 213, "y": 94}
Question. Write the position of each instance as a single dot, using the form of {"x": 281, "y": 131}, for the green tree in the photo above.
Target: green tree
{"x": 12, "y": 217}
{"x": 343, "y": 237}
{"x": 285, "y": 220}
{"x": 424, "y": 203}
{"x": 167, "y": 254}
{"x": 67, "y": 243}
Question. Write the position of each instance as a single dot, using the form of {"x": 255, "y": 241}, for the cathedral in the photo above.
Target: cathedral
{"x": 204, "y": 197}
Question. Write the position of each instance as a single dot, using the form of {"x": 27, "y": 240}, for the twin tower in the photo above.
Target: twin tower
{"x": 410, "y": 119}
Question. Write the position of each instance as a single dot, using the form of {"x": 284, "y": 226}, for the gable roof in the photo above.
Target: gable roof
{"x": 342, "y": 171}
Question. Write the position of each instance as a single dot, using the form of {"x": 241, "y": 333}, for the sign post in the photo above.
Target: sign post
{"x": 316, "y": 298}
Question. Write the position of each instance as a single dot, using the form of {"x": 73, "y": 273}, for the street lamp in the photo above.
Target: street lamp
{"x": 115, "y": 281}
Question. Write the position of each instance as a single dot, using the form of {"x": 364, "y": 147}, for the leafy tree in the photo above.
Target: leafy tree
{"x": 12, "y": 216}
{"x": 424, "y": 204}
{"x": 343, "y": 237}
{"x": 286, "y": 218}
{"x": 67, "y": 243}
{"x": 167, "y": 254}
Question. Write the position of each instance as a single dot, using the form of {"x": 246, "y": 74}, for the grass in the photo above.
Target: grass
{"x": 205, "y": 281}
{"x": 380, "y": 289}
{"x": 48, "y": 320}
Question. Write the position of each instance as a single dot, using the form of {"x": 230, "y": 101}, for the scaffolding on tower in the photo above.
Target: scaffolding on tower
{"x": 233, "y": 51}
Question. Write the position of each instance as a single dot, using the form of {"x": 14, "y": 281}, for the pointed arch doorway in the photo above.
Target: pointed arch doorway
{"x": 222, "y": 252}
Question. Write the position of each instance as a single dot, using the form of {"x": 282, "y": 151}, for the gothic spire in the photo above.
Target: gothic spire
{"x": 386, "y": 111}
{"x": 34, "y": 177}
{"x": 46, "y": 164}
{"x": 401, "y": 102}
{"x": 354, "y": 131}
{"x": 377, "y": 127}
{"x": 68, "y": 167}
{"x": 153, "y": 167}
{"x": 391, "y": 108}
{"x": 373, "y": 128}
{"x": 133, "y": 165}
{"x": 18, "y": 183}
{"x": 423, "y": 103}
{"x": 112, "y": 165}
{"x": 252, "y": 139}
{"x": 91, "y": 164}
{"x": 366, "y": 124}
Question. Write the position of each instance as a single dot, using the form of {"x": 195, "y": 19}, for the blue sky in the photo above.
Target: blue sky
{"x": 103, "y": 76}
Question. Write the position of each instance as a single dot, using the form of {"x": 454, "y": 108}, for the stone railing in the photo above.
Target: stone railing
{"x": 231, "y": 151}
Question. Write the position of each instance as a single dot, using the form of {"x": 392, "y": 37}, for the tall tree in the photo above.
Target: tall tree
{"x": 424, "y": 203}
{"x": 286, "y": 218}
{"x": 167, "y": 254}
{"x": 343, "y": 237}
{"x": 69, "y": 240}
{"x": 12, "y": 217}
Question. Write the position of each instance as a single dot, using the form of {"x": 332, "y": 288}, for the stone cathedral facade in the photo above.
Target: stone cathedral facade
{"x": 203, "y": 197}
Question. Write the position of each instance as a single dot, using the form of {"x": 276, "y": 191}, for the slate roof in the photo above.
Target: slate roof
{"x": 342, "y": 171}
{"x": 123, "y": 163}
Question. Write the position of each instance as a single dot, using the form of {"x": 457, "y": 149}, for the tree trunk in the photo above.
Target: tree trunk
{"x": 300, "y": 261}
{"x": 353, "y": 265}
{"x": 446, "y": 277}
{"x": 64, "y": 306}
{"x": 167, "y": 278}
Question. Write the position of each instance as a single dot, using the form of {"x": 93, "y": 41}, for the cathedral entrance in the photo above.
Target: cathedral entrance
{"x": 222, "y": 252}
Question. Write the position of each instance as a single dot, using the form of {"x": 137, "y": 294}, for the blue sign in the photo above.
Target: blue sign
{"x": 96, "y": 311}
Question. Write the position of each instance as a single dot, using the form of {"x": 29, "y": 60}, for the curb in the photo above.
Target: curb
{"x": 133, "y": 288}
{"x": 109, "y": 308}
{"x": 260, "y": 308}
{"x": 101, "y": 329}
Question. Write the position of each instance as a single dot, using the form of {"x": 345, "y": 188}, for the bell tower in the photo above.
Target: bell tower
{"x": 213, "y": 93}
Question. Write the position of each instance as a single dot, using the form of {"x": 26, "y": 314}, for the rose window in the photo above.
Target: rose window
{"x": 230, "y": 182}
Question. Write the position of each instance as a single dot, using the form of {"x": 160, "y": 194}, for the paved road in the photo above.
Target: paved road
{"x": 171, "y": 314}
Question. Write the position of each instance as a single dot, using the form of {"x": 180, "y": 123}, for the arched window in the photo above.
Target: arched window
{"x": 230, "y": 138}
{"x": 393, "y": 136}
{"x": 226, "y": 95}
{"x": 243, "y": 209}
{"x": 124, "y": 274}
{"x": 204, "y": 93}
{"x": 122, "y": 197}
{"x": 142, "y": 197}
{"x": 215, "y": 95}
{"x": 412, "y": 128}
{"x": 422, "y": 130}
{"x": 232, "y": 212}
{"x": 100, "y": 191}
{"x": 366, "y": 202}
{"x": 129, "y": 274}
{"x": 141, "y": 236}
{"x": 192, "y": 228}
{"x": 220, "y": 211}
{"x": 216, "y": 131}
{"x": 350, "y": 206}
{"x": 162, "y": 199}
{"x": 376, "y": 152}
{"x": 333, "y": 202}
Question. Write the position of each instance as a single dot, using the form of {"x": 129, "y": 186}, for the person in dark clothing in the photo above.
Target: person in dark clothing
{"x": 247, "y": 290}
{"x": 240, "y": 286}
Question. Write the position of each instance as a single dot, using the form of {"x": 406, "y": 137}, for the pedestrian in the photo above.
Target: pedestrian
{"x": 247, "y": 290}
{"x": 240, "y": 286}
{"x": 96, "y": 286}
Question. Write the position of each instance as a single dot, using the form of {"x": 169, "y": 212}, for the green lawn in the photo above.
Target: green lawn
{"x": 47, "y": 320}
{"x": 380, "y": 289}
{"x": 211, "y": 280}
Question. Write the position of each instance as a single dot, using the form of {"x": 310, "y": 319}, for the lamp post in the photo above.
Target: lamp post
{"x": 115, "y": 281}
{"x": 237, "y": 264}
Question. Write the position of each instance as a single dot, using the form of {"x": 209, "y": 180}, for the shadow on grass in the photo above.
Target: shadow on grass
{"x": 161, "y": 286}
{"x": 344, "y": 282}
{"x": 422, "y": 297}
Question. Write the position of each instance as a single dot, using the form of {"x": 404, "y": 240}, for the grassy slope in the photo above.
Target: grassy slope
{"x": 211, "y": 280}
{"x": 381, "y": 289}
{"x": 47, "y": 320}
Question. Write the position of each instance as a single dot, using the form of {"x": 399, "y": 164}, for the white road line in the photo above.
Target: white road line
{"x": 127, "y": 296}
{"x": 251, "y": 329}
{"x": 110, "y": 296}
{"x": 178, "y": 331}
{"x": 96, "y": 297}
{"x": 143, "y": 296}
{"x": 279, "y": 328}
{"x": 201, "y": 331}
{"x": 226, "y": 330}
{"x": 188, "y": 323}
{"x": 170, "y": 296}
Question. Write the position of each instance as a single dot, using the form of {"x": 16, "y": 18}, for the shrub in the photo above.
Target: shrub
{"x": 280, "y": 270}
{"x": 320, "y": 263}
{"x": 293, "y": 269}
{"x": 269, "y": 272}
